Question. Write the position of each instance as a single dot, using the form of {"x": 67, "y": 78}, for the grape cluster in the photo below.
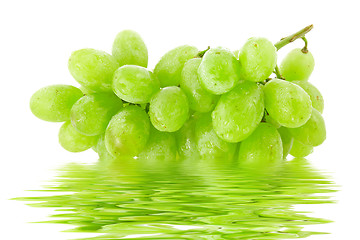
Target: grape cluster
{"x": 195, "y": 104}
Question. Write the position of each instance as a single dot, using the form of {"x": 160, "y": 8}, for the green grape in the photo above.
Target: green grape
{"x": 185, "y": 139}
{"x": 208, "y": 143}
{"x": 262, "y": 147}
{"x": 297, "y": 65}
{"x": 315, "y": 95}
{"x": 236, "y": 53}
{"x": 91, "y": 114}
{"x": 53, "y": 103}
{"x": 270, "y": 120}
{"x": 101, "y": 150}
{"x": 313, "y": 132}
{"x": 219, "y": 71}
{"x": 169, "y": 109}
{"x": 287, "y": 140}
{"x": 168, "y": 69}
{"x": 299, "y": 149}
{"x": 287, "y": 103}
{"x": 200, "y": 100}
{"x": 128, "y": 132}
{"x": 73, "y": 141}
{"x": 258, "y": 59}
{"x": 93, "y": 69}
{"x": 85, "y": 91}
{"x": 135, "y": 84}
{"x": 130, "y": 49}
{"x": 238, "y": 112}
{"x": 161, "y": 146}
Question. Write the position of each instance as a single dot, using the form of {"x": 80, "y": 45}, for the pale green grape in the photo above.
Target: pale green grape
{"x": 317, "y": 99}
{"x": 200, "y": 100}
{"x": 299, "y": 149}
{"x": 238, "y": 112}
{"x": 313, "y": 132}
{"x": 73, "y": 141}
{"x": 101, "y": 150}
{"x": 262, "y": 147}
{"x": 287, "y": 103}
{"x": 130, "y": 49}
{"x": 258, "y": 59}
{"x": 91, "y": 114}
{"x": 297, "y": 65}
{"x": 287, "y": 140}
{"x": 185, "y": 139}
{"x": 161, "y": 146}
{"x": 93, "y": 69}
{"x": 169, "y": 109}
{"x": 270, "y": 120}
{"x": 219, "y": 71}
{"x": 236, "y": 53}
{"x": 168, "y": 69}
{"x": 128, "y": 132}
{"x": 135, "y": 84}
{"x": 53, "y": 103}
{"x": 208, "y": 143}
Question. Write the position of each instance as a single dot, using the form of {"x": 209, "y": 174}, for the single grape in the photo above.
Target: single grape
{"x": 169, "y": 109}
{"x": 53, "y": 103}
{"x": 168, "y": 69}
{"x": 315, "y": 95}
{"x": 101, "y": 150}
{"x": 73, "y": 141}
{"x": 270, "y": 120}
{"x": 200, "y": 100}
{"x": 128, "y": 132}
{"x": 287, "y": 140}
{"x": 135, "y": 84}
{"x": 93, "y": 69}
{"x": 219, "y": 71}
{"x": 299, "y": 149}
{"x": 238, "y": 112}
{"x": 185, "y": 139}
{"x": 297, "y": 65}
{"x": 262, "y": 147}
{"x": 313, "y": 132}
{"x": 258, "y": 59}
{"x": 208, "y": 143}
{"x": 91, "y": 114}
{"x": 287, "y": 103}
{"x": 161, "y": 146}
{"x": 130, "y": 49}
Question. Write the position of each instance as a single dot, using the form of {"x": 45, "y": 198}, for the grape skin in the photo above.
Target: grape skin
{"x": 73, "y": 141}
{"x": 258, "y": 59}
{"x": 185, "y": 139}
{"x": 299, "y": 149}
{"x": 297, "y": 65}
{"x": 262, "y": 147}
{"x": 168, "y": 69}
{"x": 208, "y": 143}
{"x": 238, "y": 112}
{"x": 287, "y": 103}
{"x": 128, "y": 132}
{"x": 169, "y": 109}
{"x": 317, "y": 99}
{"x": 91, "y": 114}
{"x": 287, "y": 140}
{"x": 135, "y": 84}
{"x": 313, "y": 132}
{"x": 93, "y": 69}
{"x": 129, "y": 49}
{"x": 53, "y": 103}
{"x": 219, "y": 71}
{"x": 200, "y": 100}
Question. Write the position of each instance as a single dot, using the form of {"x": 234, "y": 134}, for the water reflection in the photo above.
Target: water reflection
{"x": 186, "y": 199}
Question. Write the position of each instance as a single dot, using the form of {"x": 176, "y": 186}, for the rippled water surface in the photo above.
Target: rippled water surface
{"x": 186, "y": 199}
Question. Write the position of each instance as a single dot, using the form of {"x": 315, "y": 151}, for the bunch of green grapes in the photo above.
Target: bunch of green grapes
{"x": 215, "y": 103}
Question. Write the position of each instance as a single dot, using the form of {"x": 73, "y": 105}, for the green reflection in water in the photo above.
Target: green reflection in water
{"x": 218, "y": 200}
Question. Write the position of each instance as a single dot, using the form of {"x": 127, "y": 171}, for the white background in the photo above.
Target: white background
{"x": 37, "y": 38}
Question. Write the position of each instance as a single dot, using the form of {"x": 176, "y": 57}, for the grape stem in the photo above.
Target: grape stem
{"x": 305, "y": 50}
{"x": 202, "y": 53}
{"x": 289, "y": 39}
{"x": 277, "y": 72}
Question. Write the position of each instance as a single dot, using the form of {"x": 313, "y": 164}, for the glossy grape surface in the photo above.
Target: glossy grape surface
{"x": 299, "y": 149}
{"x": 287, "y": 140}
{"x": 185, "y": 139}
{"x": 238, "y": 112}
{"x": 53, "y": 103}
{"x": 297, "y": 65}
{"x": 317, "y": 99}
{"x": 135, "y": 84}
{"x": 93, "y": 69}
